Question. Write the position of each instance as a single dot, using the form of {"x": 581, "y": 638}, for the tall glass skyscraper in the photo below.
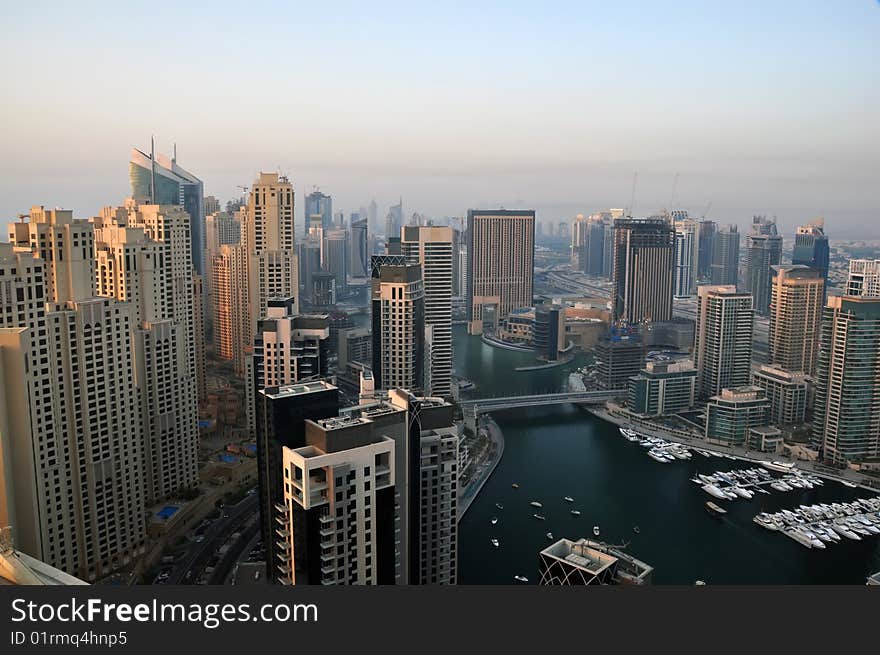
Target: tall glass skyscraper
{"x": 811, "y": 248}
{"x": 157, "y": 180}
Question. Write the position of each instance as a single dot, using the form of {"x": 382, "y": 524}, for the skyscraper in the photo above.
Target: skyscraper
{"x": 72, "y": 416}
{"x": 359, "y": 251}
{"x": 394, "y": 220}
{"x": 501, "y": 263}
{"x": 157, "y": 180}
{"x": 764, "y": 251}
{"x": 229, "y": 302}
{"x": 142, "y": 256}
{"x": 795, "y": 317}
{"x": 318, "y": 204}
{"x": 864, "y": 278}
{"x": 334, "y": 257}
{"x": 642, "y": 283}
{"x": 399, "y": 331}
{"x": 267, "y": 239}
{"x": 431, "y": 248}
{"x": 846, "y": 420}
{"x": 687, "y": 243}
{"x": 309, "y": 262}
{"x": 811, "y": 249}
{"x": 281, "y": 413}
{"x": 288, "y": 348}
{"x": 722, "y": 339}
{"x": 724, "y": 269}
{"x": 708, "y": 230}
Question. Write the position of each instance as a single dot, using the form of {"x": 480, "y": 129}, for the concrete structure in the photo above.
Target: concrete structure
{"x": 281, "y": 413}
{"x": 846, "y": 423}
{"x": 318, "y": 204}
{"x": 763, "y": 253}
{"x": 864, "y": 278}
{"x": 788, "y": 393}
{"x": 354, "y": 345}
{"x": 724, "y": 268}
{"x": 18, "y": 568}
{"x": 708, "y": 230}
{"x": 359, "y": 249}
{"x": 687, "y": 251}
{"x": 586, "y": 562}
{"x": 432, "y": 248}
{"x": 143, "y": 258}
{"x": 663, "y": 388}
{"x": 811, "y": 249}
{"x": 401, "y": 348}
{"x": 642, "y": 284}
{"x": 722, "y": 339}
{"x": 267, "y": 238}
{"x": 501, "y": 262}
{"x": 199, "y": 327}
{"x": 229, "y": 298}
{"x": 732, "y": 413}
{"x": 795, "y": 317}
{"x": 70, "y": 426}
{"x": 288, "y": 348}
{"x": 334, "y": 257}
{"x": 549, "y": 339}
{"x": 619, "y": 356}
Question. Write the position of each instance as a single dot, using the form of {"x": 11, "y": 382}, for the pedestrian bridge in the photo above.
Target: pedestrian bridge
{"x": 485, "y": 405}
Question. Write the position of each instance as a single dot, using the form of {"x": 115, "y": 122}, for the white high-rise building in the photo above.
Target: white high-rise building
{"x": 722, "y": 339}
{"x": 431, "y": 247}
{"x": 143, "y": 257}
{"x": 71, "y": 417}
{"x": 864, "y": 278}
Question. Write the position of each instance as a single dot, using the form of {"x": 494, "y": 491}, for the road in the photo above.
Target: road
{"x": 215, "y": 536}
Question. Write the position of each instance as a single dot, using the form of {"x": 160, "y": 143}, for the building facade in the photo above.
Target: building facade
{"x": 788, "y": 392}
{"x": 722, "y": 339}
{"x": 795, "y": 317}
{"x": 663, "y": 388}
{"x": 642, "y": 285}
{"x": 734, "y": 412}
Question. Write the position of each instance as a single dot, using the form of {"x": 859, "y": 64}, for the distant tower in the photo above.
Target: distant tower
{"x": 642, "y": 287}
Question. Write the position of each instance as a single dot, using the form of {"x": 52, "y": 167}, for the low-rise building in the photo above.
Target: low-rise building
{"x": 788, "y": 393}
{"x": 732, "y": 413}
{"x": 663, "y": 388}
{"x": 586, "y": 562}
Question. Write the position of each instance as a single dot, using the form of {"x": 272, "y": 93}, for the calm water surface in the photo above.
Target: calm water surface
{"x": 562, "y": 451}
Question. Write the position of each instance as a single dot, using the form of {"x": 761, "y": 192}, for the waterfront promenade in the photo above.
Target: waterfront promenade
{"x": 472, "y": 490}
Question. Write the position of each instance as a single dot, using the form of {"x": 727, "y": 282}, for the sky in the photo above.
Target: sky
{"x": 753, "y": 107}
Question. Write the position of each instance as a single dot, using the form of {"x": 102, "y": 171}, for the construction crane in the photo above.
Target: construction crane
{"x": 708, "y": 207}
{"x": 632, "y": 198}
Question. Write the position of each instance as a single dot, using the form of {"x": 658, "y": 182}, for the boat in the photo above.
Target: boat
{"x": 550, "y": 535}
{"x": 540, "y": 517}
{"x": 653, "y": 454}
{"x": 712, "y": 490}
{"x": 799, "y": 537}
{"x": 520, "y": 578}
{"x": 843, "y": 531}
{"x": 596, "y": 530}
{"x": 575, "y": 512}
{"x": 535, "y": 503}
{"x": 847, "y": 483}
{"x": 494, "y": 520}
{"x": 780, "y": 486}
{"x": 636, "y": 529}
{"x": 515, "y": 485}
{"x": 742, "y": 493}
{"x": 568, "y": 499}
{"x": 715, "y": 510}
{"x": 494, "y": 542}
{"x": 776, "y": 465}
{"x": 499, "y": 505}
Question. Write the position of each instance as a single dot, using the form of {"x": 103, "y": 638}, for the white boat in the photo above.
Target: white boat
{"x": 520, "y": 578}
{"x": 742, "y": 493}
{"x": 678, "y": 454}
{"x": 540, "y": 517}
{"x": 494, "y": 542}
{"x": 780, "y": 486}
{"x": 575, "y": 512}
{"x": 596, "y": 530}
{"x": 712, "y": 490}
{"x": 799, "y": 537}
{"x": 845, "y": 532}
{"x": 653, "y": 454}
{"x": 777, "y": 466}
{"x": 568, "y": 499}
{"x": 847, "y": 483}
{"x": 494, "y": 520}
{"x": 550, "y": 535}
{"x": 535, "y": 503}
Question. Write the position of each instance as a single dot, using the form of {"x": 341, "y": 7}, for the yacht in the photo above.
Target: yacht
{"x": 499, "y": 505}
{"x": 596, "y": 530}
{"x": 550, "y": 535}
{"x": 515, "y": 485}
{"x": 844, "y": 531}
{"x": 778, "y": 466}
{"x": 540, "y": 517}
{"x": 494, "y": 542}
{"x": 575, "y": 512}
{"x": 742, "y": 493}
{"x": 636, "y": 529}
{"x": 535, "y": 503}
{"x": 847, "y": 483}
{"x": 658, "y": 457}
{"x": 520, "y": 578}
{"x": 799, "y": 537}
{"x": 715, "y": 510}
{"x": 494, "y": 520}
{"x": 712, "y": 490}
{"x": 568, "y": 499}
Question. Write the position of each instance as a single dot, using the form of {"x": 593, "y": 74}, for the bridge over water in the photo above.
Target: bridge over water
{"x": 483, "y": 405}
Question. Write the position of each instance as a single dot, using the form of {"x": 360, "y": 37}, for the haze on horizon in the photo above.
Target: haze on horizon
{"x": 759, "y": 107}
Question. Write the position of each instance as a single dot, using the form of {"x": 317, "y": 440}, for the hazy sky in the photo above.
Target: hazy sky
{"x": 760, "y": 107}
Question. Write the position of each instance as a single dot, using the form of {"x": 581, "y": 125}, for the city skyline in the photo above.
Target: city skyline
{"x": 395, "y": 119}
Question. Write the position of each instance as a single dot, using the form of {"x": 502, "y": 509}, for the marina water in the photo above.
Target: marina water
{"x": 558, "y": 451}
